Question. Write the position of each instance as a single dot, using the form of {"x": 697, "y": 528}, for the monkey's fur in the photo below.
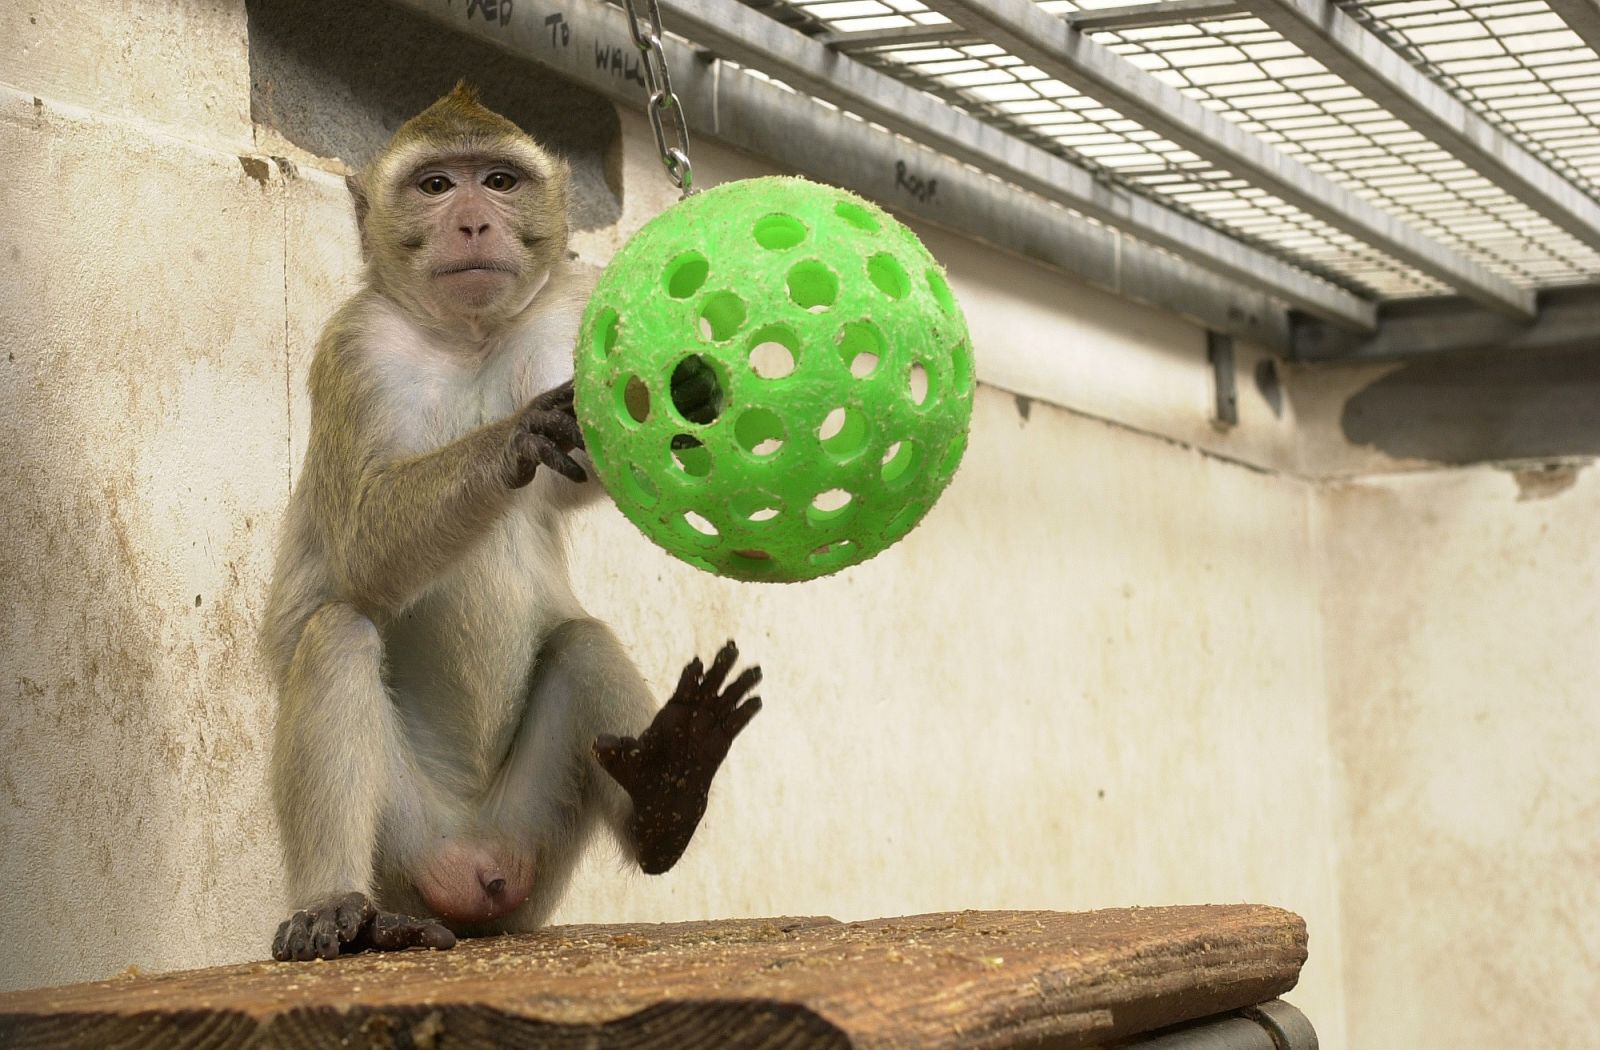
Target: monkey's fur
{"x": 443, "y": 740}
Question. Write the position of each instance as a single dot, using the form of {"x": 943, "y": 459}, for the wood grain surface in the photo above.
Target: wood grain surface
{"x": 956, "y": 979}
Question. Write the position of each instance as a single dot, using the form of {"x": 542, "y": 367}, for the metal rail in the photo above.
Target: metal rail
{"x": 1049, "y": 43}
{"x": 1582, "y": 17}
{"x": 734, "y": 31}
{"x": 1364, "y": 61}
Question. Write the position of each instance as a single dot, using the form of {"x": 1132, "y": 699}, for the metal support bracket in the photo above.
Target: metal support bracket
{"x": 1219, "y": 351}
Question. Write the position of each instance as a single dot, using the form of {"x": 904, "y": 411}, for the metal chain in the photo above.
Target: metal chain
{"x": 664, "y": 109}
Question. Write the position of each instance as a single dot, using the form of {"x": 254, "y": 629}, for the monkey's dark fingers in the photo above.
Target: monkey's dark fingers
{"x": 293, "y": 942}
{"x": 390, "y": 932}
{"x": 740, "y": 716}
{"x": 720, "y": 666}
{"x": 539, "y": 449}
{"x": 689, "y": 681}
{"x": 747, "y": 680}
{"x": 620, "y": 756}
{"x": 562, "y": 428}
{"x": 325, "y": 939}
{"x": 352, "y": 912}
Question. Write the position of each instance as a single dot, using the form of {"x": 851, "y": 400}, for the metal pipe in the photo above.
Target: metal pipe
{"x": 1271, "y": 1026}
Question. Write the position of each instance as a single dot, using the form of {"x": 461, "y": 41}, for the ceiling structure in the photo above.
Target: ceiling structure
{"x": 1419, "y": 158}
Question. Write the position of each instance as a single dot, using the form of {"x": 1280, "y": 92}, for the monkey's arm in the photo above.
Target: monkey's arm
{"x": 667, "y": 771}
{"x": 404, "y": 520}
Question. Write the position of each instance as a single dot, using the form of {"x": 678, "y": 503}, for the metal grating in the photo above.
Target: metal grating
{"x": 1514, "y": 61}
{"x": 1238, "y": 66}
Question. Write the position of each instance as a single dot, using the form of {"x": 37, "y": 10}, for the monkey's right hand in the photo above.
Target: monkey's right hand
{"x": 351, "y": 924}
{"x": 541, "y": 435}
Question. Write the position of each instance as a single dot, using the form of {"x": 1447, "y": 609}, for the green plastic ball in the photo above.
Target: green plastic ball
{"x": 773, "y": 380}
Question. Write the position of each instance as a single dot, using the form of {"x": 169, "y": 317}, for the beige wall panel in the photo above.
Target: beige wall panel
{"x": 145, "y": 449}
{"x": 1091, "y": 677}
{"x": 182, "y": 67}
{"x": 1463, "y": 655}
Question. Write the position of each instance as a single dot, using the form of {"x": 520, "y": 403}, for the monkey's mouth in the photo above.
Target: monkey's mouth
{"x": 475, "y": 266}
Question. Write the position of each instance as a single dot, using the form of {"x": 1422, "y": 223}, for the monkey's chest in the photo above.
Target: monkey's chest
{"x": 460, "y": 658}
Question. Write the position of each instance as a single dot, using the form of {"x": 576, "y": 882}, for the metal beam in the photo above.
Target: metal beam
{"x": 1152, "y": 16}
{"x": 1582, "y": 17}
{"x": 1364, "y": 61}
{"x": 732, "y": 30}
{"x": 1569, "y": 319}
{"x": 1024, "y": 29}
{"x": 898, "y": 36}
{"x": 587, "y": 41}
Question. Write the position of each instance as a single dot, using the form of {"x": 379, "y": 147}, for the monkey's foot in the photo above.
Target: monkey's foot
{"x": 668, "y": 770}
{"x": 353, "y": 924}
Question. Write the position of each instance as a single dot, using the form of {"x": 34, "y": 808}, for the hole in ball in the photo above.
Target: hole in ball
{"x": 812, "y": 286}
{"x": 861, "y": 346}
{"x": 773, "y": 352}
{"x": 941, "y": 291}
{"x": 755, "y": 506}
{"x": 759, "y": 432}
{"x": 902, "y": 522}
{"x": 685, "y": 274}
{"x": 857, "y": 216}
{"x": 828, "y": 506}
{"x": 720, "y": 316}
{"x": 606, "y": 332}
{"x": 639, "y": 486}
{"x": 844, "y": 432}
{"x": 952, "y": 456}
{"x": 633, "y": 401}
{"x": 919, "y": 382}
{"x": 690, "y": 455}
{"x": 833, "y": 553}
{"x": 961, "y": 366}
{"x": 751, "y": 554}
{"x": 696, "y": 390}
{"x": 899, "y": 463}
{"x": 888, "y": 276}
{"x": 779, "y": 231}
{"x": 700, "y": 524}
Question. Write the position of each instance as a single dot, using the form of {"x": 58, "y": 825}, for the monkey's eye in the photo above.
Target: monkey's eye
{"x": 500, "y": 180}
{"x": 434, "y": 185}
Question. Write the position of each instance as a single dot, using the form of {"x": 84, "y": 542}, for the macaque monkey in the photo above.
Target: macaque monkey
{"x": 451, "y": 725}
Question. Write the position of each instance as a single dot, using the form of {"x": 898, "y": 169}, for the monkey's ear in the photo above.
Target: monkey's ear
{"x": 358, "y": 197}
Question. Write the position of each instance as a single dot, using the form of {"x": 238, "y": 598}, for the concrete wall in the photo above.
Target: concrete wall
{"x": 1463, "y": 658}
{"x": 1129, "y": 658}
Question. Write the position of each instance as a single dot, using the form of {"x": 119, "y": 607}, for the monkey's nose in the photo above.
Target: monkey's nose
{"x": 495, "y": 886}
{"x": 475, "y": 231}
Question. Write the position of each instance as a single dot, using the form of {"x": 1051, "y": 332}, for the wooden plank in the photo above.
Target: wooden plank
{"x": 960, "y": 979}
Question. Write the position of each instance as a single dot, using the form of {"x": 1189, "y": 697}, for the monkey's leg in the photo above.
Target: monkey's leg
{"x": 667, "y": 770}
{"x": 549, "y": 793}
{"x": 338, "y": 761}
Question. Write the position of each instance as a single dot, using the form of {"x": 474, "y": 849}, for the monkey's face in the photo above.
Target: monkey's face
{"x": 462, "y": 215}
{"x": 469, "y": 235}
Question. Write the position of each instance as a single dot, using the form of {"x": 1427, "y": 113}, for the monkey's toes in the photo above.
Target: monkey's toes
{"x": 293, "y": 941}
{"x": 389, "y": 932}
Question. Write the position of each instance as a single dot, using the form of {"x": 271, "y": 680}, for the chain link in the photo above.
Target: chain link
{"x": 664, "y": 109}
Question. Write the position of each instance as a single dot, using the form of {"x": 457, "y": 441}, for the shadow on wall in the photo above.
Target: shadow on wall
{"x": 1484, "y": 409}
{"x": 338, "y": 79}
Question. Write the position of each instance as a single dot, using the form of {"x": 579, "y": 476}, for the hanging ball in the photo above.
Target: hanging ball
{"x": 773, "y": 380}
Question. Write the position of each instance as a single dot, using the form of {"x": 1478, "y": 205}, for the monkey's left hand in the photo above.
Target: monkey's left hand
{"x": 668, "y": 769}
